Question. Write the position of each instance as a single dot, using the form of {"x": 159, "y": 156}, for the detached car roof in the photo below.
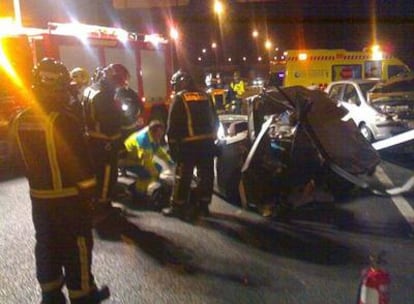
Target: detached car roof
{"x": 357, "y": 81}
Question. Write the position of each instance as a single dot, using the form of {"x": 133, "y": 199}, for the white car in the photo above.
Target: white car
{"x": 375, "y": 119}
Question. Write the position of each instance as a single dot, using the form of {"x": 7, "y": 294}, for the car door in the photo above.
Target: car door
{"x": 234, "y": 145}
{"x": 347, "y": 96}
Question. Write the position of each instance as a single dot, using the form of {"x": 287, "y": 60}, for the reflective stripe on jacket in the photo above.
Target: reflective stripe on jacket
{"x": 141, "y": 148}
{"x": 192, "y": 117}
{"x": 54, "y": 152}
{"x": 238, "y": 88}
{"x": 103, "y": 114}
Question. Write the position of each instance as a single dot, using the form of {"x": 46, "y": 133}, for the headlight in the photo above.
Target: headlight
{"x": 380, "y": 117}
{"x": 220, "y": 132}
{"x": 385, "y": 109}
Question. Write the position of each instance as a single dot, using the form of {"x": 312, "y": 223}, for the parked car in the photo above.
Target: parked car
{"x": 291, "y": 148}
{"x": 376, "y": 119}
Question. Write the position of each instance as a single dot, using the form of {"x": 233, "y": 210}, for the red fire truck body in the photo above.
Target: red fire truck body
{"x": 147, "y": 58}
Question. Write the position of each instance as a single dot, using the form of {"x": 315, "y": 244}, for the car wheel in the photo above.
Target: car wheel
{"x": 366, "y": 132}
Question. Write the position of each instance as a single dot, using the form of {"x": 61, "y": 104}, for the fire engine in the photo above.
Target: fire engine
{"x": 147, "y": 57}
{"x": 319, "y": 67}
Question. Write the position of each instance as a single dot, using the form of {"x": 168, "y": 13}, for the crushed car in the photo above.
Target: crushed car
{"x": 290, "y": 149}
{"x": 396, "y": 98}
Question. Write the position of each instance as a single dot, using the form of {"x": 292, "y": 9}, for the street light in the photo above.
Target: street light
{"x": 255, "y": 35}
{"x": 214, "y": 47}
{"x": 268, "y": 44}
{"x": 218, "y": 7}
{"x": 268, "y": 47}
{"x": 174, "y": 35}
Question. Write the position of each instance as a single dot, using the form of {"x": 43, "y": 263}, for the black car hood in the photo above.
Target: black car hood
{"x": 339, "y": 142}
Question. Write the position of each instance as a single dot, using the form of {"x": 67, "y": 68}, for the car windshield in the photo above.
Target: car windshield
{"x": 365, "y": 87}
{"x": 394, "y": 70}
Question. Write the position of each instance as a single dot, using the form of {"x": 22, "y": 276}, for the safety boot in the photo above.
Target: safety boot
{"x": 103, "y": 211}
{"x": 95, "y": 297}
{"x": 184, "y": 212}
{"x": 203, "y": 210}
{"x": 174, "y": 210}
{"x": 53, "y": 297}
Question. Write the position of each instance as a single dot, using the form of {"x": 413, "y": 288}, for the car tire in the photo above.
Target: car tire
{"x": 366, "y": 132}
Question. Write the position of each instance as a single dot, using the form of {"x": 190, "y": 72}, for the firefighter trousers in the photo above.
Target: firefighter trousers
{"x": 199, "y": 156}
{"x": 104, "y": 155}
{"x": 63, "y": 249}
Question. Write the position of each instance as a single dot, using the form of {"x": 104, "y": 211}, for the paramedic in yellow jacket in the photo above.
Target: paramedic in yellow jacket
{"x": 237, "y": 90}
{"x": 142, "y": 148}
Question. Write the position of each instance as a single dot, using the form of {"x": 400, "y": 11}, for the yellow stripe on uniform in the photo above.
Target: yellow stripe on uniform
{"x": 54, "y": 193}
{"x": 193, "y": 96}
{"x": 52, "y": 285}
{"x": 107, "y": 177}
{"x": 51, "y": 151}
{"x": 189, "y": 119}
{"x": 88, "y": 183}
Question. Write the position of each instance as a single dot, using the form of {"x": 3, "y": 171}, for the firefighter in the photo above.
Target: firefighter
{"x": 143, "y": 147}
{"x": 62, "y": 183}
{"x": 191, "y": 132}
{"x": 79, "y": 82}
{"x": 237, "y": 90}
{"x": 132, "y": 108}
{"x": 104, "y": 123}
{"x": 214, "y": 88}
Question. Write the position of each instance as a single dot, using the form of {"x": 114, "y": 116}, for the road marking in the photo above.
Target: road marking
{"x": 399, "y": 201}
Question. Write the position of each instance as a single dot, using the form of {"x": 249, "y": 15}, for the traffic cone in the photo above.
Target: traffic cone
{"x": 375, "y": 281}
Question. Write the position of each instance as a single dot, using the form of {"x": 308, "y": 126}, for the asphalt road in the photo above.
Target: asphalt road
{"x": 236, "y": 256}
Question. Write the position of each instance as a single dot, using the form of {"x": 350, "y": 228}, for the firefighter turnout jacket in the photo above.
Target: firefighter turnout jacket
{"x": 103, "y": 113}
{"x": 54, "y": 168}
{"x": 105, "y": 128}
{"x": 192, "y": 117}
{"x": 192, "y": 129}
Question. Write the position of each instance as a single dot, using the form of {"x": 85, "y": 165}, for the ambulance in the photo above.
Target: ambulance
{"x": 318, "y": 67}
{"x": 146, "y": 56}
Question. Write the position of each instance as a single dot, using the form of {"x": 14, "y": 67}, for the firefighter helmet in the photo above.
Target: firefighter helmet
{"x": 116, "y": 74}
{"x": 51, "y": 74}
{"x": 97, "y": 74}
{"x": 80, "y": 76}
{"x": 180, "y": 80}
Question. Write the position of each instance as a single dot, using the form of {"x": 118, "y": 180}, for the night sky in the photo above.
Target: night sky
{"x": 290, "y": 24}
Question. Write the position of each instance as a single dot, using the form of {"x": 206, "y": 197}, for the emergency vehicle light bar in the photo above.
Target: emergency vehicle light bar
{"x": 103, "y": 32}
{"x": 87, "y": 30}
